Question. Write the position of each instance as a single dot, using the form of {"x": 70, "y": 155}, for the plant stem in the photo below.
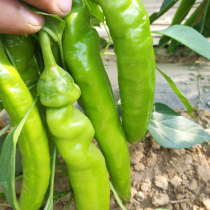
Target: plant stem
{"x": 53, "y": 175}
{"x": 117, "y": 197}
{"x": 46, "y": 49}
{"x": 18, "y": 177}
{"x": 109, "y": 54}
{"x": 62, "y": 56}
{"x": 110, "y": 41}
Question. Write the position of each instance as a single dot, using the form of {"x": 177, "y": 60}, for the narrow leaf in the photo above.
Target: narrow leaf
{"x": 95, "y": 10}
{"x": 172, "y": 130}
{"x": 184, "y": 100}
{"x": 1, "y": 107}
{"x": 5, "y": 129}
{"x": 7, "y": 161}
{"x": 189, "y": 37}
{"x": 166, "y": 5}
{"x": 49, "y": 205}
{"x": 69, "y": 202}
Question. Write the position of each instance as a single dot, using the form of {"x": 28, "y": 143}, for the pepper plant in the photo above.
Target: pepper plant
{"x": 42, "y": 75}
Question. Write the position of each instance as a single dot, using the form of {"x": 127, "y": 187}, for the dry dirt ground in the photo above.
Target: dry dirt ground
{"x": 161, "y": 178}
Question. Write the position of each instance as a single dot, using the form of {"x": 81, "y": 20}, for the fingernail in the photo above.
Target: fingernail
{"x": 30, "y": 17}
{"x": 64, "y": 5}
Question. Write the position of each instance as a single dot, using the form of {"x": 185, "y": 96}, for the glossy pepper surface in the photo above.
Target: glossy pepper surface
{"x": 33, "y": 142}
{"x": 73, "y": 133}
{"x": 21, "y": 48}
{"x": 129, "y": 27}
{"x": 82, "y": 56}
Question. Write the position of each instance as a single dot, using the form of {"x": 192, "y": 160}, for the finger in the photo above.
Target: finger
{"x": 16, "y": 19}
{"x": 57, "y": 7}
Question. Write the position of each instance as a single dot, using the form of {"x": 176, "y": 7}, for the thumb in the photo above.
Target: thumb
{"x": 16, "y": 19}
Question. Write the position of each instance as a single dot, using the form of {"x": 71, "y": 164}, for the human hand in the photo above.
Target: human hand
{"x": 16, "y": 19}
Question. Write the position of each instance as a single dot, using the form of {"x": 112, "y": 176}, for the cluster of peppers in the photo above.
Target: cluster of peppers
{"x": 72, "y": 131}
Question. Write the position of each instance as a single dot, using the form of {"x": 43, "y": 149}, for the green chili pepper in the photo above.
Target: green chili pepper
{"x": 73, "y": 133}
{"x": 21, "y": 49}
{"x": 33, "y": 142}
{"x": 129, "y": 27}
{"x": 82, "y": 56}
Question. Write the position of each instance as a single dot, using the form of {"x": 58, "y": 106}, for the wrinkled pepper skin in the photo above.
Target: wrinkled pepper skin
{"x": 82, "y": 56}
{"x": 33, "y": 142}
{"x": 73, "y": 133}
{"x": 129, "y": 27}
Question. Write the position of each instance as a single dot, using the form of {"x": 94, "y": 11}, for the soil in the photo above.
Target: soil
{"x": 161, "y": 177}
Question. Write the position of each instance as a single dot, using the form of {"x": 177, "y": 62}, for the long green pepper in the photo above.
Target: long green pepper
{"x": 16, "y": 100}
{"x": 129, "y": 27}
{"x": 72, "y": 133}
{"x": 82, "y": 56}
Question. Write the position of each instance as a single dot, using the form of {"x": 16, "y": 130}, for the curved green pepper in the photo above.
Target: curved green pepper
{"x": 33, "y": 142}
{"x": 129, "y": 27}
{"x": 73, "y": 133}
{"x": 82, "y": 56}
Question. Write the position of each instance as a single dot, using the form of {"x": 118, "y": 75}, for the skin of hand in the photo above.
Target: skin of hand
{"x": 16, "y": 19}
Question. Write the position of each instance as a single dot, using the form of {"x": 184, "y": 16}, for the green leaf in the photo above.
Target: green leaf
{"x": 69, "y": 202}
{"x": 95, "y": 10}
{"x": 5, "y": 129}
{"x": 53, "y": 25}
{"x": 18, "y": 157}
{"x": 184, "y": 100}
{"x": 7, "y": 161}
{"x": 103, "y": 42}
{"x": 49, "y": 205}
{"x": 189, "y": 37}
{"x": 166, "y": 5}
{"x": 2, "y": 196}
{"x": 172, "y": 130}
{"x": 95, "y": 22}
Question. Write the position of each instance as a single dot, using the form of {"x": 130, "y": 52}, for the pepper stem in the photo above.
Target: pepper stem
{"x": 49, "y": 59}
